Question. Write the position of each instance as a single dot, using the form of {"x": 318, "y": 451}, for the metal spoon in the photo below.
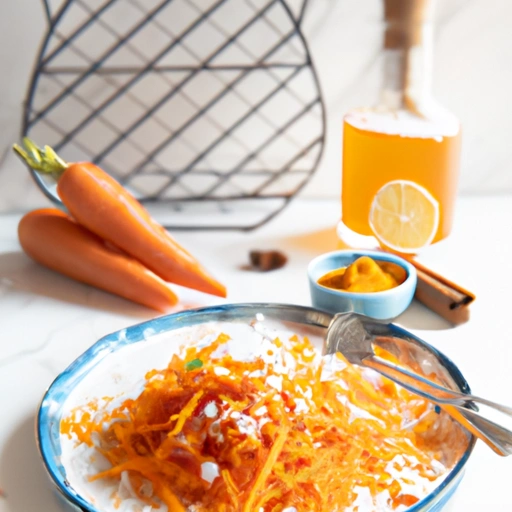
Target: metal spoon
{"x": 355, "y": 336}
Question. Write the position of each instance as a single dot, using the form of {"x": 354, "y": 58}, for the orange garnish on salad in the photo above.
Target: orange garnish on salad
{"x": 288, "y": 429}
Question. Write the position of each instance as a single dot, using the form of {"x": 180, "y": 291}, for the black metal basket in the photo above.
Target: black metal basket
{"x": 210, "y": 110}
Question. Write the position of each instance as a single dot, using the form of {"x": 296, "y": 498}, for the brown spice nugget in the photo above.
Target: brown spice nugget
{"x": 265, "y": 261}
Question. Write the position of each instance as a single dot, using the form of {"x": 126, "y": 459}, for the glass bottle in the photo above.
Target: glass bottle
{"x": 407, "y": 135}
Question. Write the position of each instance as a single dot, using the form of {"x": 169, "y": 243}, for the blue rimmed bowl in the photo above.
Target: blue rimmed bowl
{"x": 302, "y": 320}
{"x": 384, "y": 305}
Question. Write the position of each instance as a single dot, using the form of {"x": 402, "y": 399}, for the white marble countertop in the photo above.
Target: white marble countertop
{"x": 48, "y": 320}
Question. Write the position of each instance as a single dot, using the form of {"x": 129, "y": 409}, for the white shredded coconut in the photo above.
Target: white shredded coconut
{"x": 301, "y": 406}
{"x": 261, "y": 411}
{"x": 357, "y": 412}
{"x": 247, "y": 425}
{"x": 220, "y": 370}
{"x": 211, "y": 410}
{"x": 209, "y": 471}
{"x": 275, "y": 382}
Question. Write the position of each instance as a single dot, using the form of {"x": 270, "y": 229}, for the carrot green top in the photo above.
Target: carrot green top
{"x": 43, "y": 160}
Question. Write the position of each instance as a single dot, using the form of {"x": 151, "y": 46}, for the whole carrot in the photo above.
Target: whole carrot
{"x": 98, "y": 202}
{"x": 52, "y": 238}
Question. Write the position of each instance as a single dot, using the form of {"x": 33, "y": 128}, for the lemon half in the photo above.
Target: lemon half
{"x": 404, "y": 216}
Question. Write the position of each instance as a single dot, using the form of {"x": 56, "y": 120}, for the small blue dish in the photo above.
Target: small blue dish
{"x": 384, "y": 305}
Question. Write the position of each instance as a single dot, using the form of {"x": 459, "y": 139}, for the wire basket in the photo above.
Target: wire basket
{"x": 210, "y": 110}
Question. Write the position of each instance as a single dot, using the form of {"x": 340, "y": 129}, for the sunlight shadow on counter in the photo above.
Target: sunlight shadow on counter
{"x": 419, "y": 317}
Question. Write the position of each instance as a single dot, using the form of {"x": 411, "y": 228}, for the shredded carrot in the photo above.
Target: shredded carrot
{"x": 185, "y": 414}
{"x": 304, "y": 432}
{"x": 231, "y": 487}
{"x": 274, "y": 453}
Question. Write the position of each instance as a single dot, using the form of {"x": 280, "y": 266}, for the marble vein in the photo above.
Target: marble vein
{"x": 38, "y": 349}
{"x": 450, "y": 15}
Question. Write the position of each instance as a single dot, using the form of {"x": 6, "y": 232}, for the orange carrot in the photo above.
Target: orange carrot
{"x": 102, "y": 205}
{"x": 53, "y": 239}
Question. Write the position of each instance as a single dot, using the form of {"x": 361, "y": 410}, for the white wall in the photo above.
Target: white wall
{"x": 473, "y": 77}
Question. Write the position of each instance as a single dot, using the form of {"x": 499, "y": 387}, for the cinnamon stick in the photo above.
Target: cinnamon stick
{"x": 441, "y": 295}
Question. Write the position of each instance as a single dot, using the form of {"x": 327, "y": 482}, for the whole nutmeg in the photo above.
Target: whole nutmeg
{"x": 265, "y": 261}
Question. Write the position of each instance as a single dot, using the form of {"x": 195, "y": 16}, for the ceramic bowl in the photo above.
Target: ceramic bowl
{"x": 384, "y": 305}
{"x": 115, "y": 351}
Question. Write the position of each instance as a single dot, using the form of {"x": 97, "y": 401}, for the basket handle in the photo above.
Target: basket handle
{"x": 300, "y": 13}
{"x": 53, "y": 12}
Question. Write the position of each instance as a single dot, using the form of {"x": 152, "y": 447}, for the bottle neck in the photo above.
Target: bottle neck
{"x": 407, "y": 55}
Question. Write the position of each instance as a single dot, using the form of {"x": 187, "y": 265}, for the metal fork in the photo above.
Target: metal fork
{"x": 355, "y": 336}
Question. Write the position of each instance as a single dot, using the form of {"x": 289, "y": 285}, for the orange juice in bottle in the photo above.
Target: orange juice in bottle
{"x": 401, "y": 157}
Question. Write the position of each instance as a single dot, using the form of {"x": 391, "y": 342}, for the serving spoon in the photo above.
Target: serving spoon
{"x": 355, "y": 337}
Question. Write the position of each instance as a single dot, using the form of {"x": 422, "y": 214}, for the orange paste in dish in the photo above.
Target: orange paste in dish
{"x": 365, "y": 275}
{"x": 286, "y": 430}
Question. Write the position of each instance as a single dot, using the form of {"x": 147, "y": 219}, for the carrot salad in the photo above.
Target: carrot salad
{"x": 286, "y": 431}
